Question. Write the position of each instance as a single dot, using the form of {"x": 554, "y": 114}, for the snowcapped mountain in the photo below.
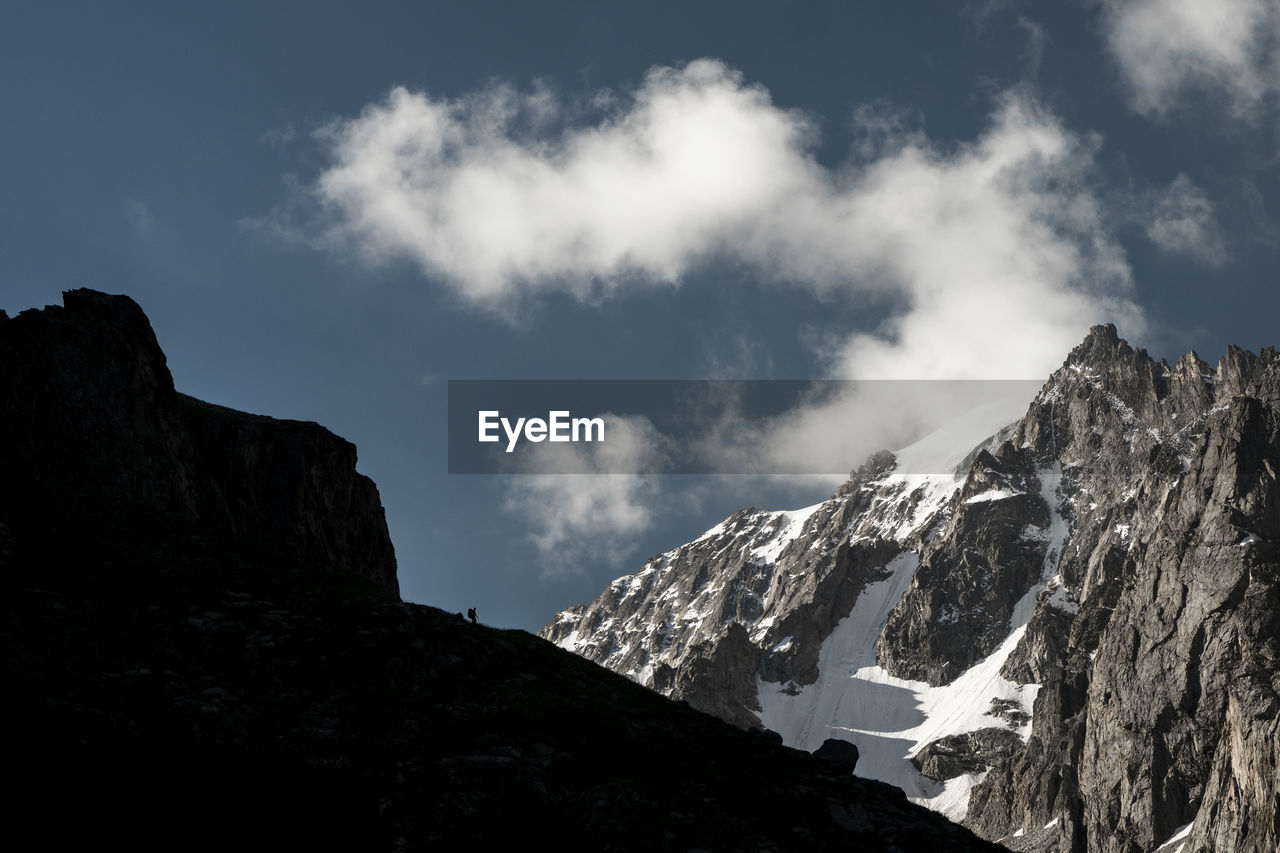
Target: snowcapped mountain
{"x": 1070, "y": 642}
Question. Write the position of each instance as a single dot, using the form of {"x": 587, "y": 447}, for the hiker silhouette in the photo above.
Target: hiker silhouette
{"x": 471, "y": 614}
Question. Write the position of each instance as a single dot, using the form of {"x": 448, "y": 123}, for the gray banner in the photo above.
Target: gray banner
{"x": 783, "y": 427}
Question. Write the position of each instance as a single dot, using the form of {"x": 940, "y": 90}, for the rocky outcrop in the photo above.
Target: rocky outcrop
{"x": 1169, "y": 614}
{"x": 105, "y": 464}
{"x": 1109, "y": 565}
{"x": 1240, "y": 795}
{"x": 989, "y": 554}
{"x": 838, "y": 753}
{"x": 970, "y": 752}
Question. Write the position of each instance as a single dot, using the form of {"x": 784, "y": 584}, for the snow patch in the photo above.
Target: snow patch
{"x": 1179, "y": 838}
{"x": 715, "y": 531}
{"x": 790, "y": 524}
{"x": 1059, "y": 597}
{"x": 1031, "y": 533}
{"x": 762, "y": 628}
{"x": 941, "y": 451}
{"x": 891, "y": 718}
{"x": 993, "y": 495}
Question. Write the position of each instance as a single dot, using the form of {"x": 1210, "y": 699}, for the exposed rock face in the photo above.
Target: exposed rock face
{"x": 1170, "y": 576}
{"x": 738, "y": 622}
{"x": 203, "y": 650}
{"x": 99, "y": 447}
{"x": 989, "y": 553}
{"x": 971, "y": 752}
{"x": 1115, "y": 560}
{"x": 681, "y": 625}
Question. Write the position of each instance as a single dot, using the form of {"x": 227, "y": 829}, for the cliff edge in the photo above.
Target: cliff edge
{"x": 107, "y": 469}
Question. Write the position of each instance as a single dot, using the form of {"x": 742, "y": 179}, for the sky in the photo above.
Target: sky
{"x": 329, "y": 210}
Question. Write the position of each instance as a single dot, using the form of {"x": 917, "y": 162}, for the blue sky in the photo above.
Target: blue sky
{"x": 875, "y": 189}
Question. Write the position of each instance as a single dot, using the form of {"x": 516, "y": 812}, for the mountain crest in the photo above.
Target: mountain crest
{"x": 89, "y": 378}
{"x": 1098, "y": 584}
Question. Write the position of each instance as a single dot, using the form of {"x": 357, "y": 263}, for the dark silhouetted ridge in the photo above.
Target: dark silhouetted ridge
{"x": 205, "y": 650}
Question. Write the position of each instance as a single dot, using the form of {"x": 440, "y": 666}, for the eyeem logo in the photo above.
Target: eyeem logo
{"x": 559, "y": 426}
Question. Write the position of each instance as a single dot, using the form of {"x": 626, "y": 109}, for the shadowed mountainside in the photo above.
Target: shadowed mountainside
{"x": 104, "y": 462}
{"x": 204, "y": 647}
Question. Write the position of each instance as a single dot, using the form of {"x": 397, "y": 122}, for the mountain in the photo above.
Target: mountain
{"x": 205, "y": 649}
{"x": 1070, "y": 642}
{"x": 104, "y": 462}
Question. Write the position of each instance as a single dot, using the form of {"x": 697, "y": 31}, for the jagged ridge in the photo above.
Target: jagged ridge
{"x": 1114, "y": 562}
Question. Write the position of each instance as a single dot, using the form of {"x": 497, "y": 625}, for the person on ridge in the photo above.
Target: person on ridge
{"x": 471, "y": 614}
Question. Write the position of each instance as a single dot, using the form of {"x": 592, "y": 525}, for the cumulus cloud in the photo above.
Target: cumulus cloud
{"x": 1181, "y": 220}
{"x": 576, "y": 508}
{"x": 991, "y": 256}
{"x": 1166, "y": 48}
{"x": 997, "y": 250}
{"x": 486, "y": 193}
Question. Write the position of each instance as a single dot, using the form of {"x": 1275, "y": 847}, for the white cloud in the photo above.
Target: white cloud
{"x": 994, "y": 256}
{"x": 1181, "y": 219}
{"x": 838, "y": 430}
{"x": 883, "y": 126}
{"x": 998, "y": 249}
{"x": 481, "y": 192}
{"x": 581, "y": 510}
{"x": 1167, "y": 47}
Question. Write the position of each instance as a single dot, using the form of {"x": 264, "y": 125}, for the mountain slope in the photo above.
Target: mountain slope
{"x": 204, "y": 650}
{"x": 1076, "y": 635}
{"x": 763, "y": 618}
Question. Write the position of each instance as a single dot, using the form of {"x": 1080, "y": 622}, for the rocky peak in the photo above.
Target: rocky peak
{"x": 1103, "y": 584}
{"x": 1235, "y": 369}
{"x": 1103, "y": 335}
{"x": 1102, "y": 345}
{"x": 98, "y": 446}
